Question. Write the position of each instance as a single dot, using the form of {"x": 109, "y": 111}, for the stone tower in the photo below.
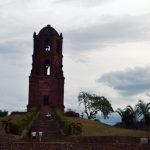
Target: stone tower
{"x": 46, "y": 81}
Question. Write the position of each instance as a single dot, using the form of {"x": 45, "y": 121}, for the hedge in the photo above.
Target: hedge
{"x": 67, "y": 126}
{"x": 20, "y": 124}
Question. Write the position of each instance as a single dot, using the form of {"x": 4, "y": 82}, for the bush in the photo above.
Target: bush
{"x": 17, "y": 113}
{"x": 147, "y": 119}
{"x": 20, "y": 124}
{"x": 67, "y": 126}
{"x": 71, "y": 113}
{"x": 77, "y": 128}
{"x": 3, "y": 113}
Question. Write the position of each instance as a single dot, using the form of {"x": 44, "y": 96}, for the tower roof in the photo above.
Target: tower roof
{"x": 48, "y": 31}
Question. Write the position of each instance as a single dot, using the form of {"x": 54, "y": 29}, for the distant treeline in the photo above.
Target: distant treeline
{"x": 3, "y": 113}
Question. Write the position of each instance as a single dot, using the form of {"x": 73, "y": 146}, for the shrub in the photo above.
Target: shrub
{"x": 6, "y": 124}
{"x": 147, "y": 119}
{"x": 67, "y": 126}
{"x": 71, "y": 113}
{"x": 3, "y": 113}
{"x": 77, "y": 128}
{"x": 20, "y": 124}
{"x": 17, "y": 113}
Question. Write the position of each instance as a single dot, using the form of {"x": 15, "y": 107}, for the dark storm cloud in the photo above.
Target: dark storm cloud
{"x": 114, "y": 31}
{"x": 128, "y": 82}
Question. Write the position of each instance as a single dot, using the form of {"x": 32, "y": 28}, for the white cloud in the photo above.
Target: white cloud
{"x": 86, "y": 3}
{"x": 117, "y": 30}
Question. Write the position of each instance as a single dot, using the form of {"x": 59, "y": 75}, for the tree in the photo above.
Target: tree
{"x": 3, "y": 113}
{"x": 129, "y": 116}
{"x": 133, "y": 113}
{"x": 93, "y": 104}
{"x": 125, "y": 116}
{"x": 147, "y": 119}
{"x": 142, "y": 108}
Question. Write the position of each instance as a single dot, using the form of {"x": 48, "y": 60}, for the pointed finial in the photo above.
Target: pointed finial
{"x": 34, "y": 34}
{"x": 61, "y": 35}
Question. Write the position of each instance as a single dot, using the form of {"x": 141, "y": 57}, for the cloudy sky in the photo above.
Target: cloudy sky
{"x": 106, "y": 48}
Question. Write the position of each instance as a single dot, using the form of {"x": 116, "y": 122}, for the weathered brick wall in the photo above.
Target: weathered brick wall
{"x": 104, "y": 139}
{"x": 74, "y": 146}
{"x": 79, "y": 143}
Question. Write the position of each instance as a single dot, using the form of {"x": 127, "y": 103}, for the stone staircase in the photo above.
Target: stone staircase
{"x": 49, "y": 127}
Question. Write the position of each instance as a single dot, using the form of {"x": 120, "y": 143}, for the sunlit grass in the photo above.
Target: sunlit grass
{"x": 94, "y": 128}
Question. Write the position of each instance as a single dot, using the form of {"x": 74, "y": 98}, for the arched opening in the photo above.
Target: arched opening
{"x": 47, "y": 68}
{"x": 47, "y": 48}
{"x": 47, "y": 45}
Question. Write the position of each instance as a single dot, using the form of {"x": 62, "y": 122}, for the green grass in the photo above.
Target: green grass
{"x": 94, "y": 128}
{"x": 13, "y": 117}
{"x": 18, "y": 122}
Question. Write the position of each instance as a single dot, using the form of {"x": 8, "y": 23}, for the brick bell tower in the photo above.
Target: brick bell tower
{"x": 46, "y": 81}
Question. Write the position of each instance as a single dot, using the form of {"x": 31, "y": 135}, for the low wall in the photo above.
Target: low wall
{"x": 70, "y": 146}
{"x": 80, "y": 143}
{"x": 105, "y": 139}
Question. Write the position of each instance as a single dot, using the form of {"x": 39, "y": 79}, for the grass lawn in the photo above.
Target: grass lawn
{"x": 94, "y": 128}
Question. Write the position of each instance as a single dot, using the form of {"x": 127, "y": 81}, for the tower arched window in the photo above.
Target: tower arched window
{"x": 47, "y": 45}
{"x": 48, "y": 48}
{"x": 47, "y": 68}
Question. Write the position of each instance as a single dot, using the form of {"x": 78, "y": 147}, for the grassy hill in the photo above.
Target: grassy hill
{"x": 16, "y": 123}
{"x": 13, "y": 119}
{"x": 94, "y": 128}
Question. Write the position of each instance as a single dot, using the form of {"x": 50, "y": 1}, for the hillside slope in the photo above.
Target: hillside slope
{"x": 94, "y": 128}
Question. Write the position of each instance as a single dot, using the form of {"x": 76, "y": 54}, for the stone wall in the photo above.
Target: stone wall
{"x": 79, "y": 143}
{"x": 104, "y": 139}
{"x": 72, "y": 146}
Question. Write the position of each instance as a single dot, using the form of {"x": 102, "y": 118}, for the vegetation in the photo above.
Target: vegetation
{"x": 17, "y": 125}
{"x": 147, "y": 119}
{"x": 94, "y": 128}
{"x": 6, "y": 124}
{"x": 135, "y": 118}
{"x": 143, "y": 109}
{"x": 127, "y": 116}
{"x": 93, "y": 104}
{"x": 3, "y": 113}
{"x": 71, "y": 113}
{"x": 5, "y": 121}
{"x": 67, "y": 126}
{"x": 130, "y": 116}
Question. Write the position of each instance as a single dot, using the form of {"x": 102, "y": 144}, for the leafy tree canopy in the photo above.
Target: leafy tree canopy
{"x": 142, "y": 108}
{"x": 93, "y": 104}
{"x": 130, "y": 115}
